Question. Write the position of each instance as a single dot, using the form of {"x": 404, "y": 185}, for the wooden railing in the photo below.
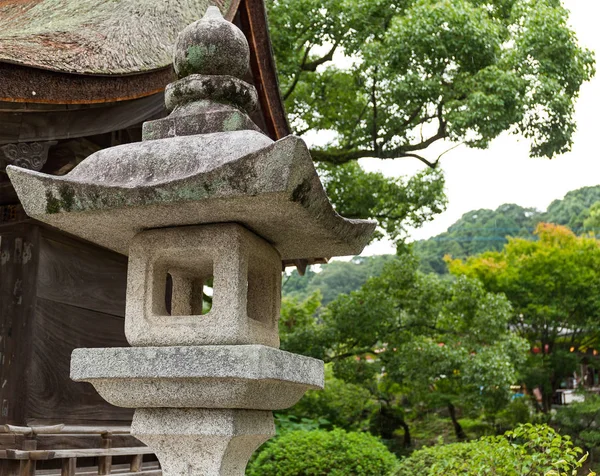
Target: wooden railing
{"x": 26, "y": 460}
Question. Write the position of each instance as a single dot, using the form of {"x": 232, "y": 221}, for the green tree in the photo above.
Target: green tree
{"x": 342, "y": 404}
{"x": 573, "y": 209}
{"x": 553, "y": 285}
{"x": 335, "y": 278}
{"x": 403, "y": 331}
{"x": 592, "y": 220}
{"x": 483, "y": 230}
{"x": 475, "y": 232}
{"x": 419, "y": 71}
{"x": 581, "y": 420}
{"x": 391, "y": 79}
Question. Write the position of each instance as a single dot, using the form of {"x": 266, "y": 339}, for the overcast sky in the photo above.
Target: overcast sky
{"x": 504, "y": 173}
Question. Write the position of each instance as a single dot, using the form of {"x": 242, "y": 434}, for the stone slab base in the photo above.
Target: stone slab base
{"x": 202, "y": 442}
{"x": 212, "y": 376}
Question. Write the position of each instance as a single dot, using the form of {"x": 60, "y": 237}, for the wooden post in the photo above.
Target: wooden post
{"x": 27, "y": 467}
{"x": 68, "y": 467}
{"x": 29, "y": 444}
{"x": 105, "y": 462}
{"x": 136, "y": 463}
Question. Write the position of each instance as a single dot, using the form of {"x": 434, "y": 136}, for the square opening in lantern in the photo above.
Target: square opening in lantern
{"x": 187, "y": 287}
{"x": 198, "y": 294}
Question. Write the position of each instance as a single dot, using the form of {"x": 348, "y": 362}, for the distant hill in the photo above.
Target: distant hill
{"x": 476, "y": 231}
{"x": 483, "y": 230}
{"x": 337, "y": 277}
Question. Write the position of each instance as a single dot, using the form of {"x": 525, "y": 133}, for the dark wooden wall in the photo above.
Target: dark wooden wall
{"x": 56, "y": 294}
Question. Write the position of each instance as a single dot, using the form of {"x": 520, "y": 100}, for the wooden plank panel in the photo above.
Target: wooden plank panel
{"x": 60, "y": 328}
{"x": 17, "y": 296}
{"x": 82, "y": 275}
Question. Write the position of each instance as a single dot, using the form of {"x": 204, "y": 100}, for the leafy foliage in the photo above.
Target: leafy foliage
{"x": 414, "y": 72}
{"x": 553, "y": 285}
{"x": 341, "y": 404}
{"x": 336, "y": 453}
{"x": 484, "y": 230}
{"x": 477, "y": 231}
{"x": 380, "y": 336}
{"x": 335, "y": 278}
{"x": 582, "y": 421}
{"x": 526, "y": 451}
{"x": 395, "y": 203}
{"x": 390, "y": 79}
{"x": 573, "y": 209}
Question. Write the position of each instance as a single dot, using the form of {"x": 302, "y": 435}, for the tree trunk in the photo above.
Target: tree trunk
{"x": 407, "y": 441}
{"x": 388, "y": 422}
{"x": 458, "y": 430}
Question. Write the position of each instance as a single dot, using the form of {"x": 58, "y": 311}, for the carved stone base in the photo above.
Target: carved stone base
{"x": 202, "y": 442}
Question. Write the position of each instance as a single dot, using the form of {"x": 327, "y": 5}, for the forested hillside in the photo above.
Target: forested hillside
{"x": 476, "y": 231}
{"x": 483, "y": 230}
{"x": 337, "y": 277}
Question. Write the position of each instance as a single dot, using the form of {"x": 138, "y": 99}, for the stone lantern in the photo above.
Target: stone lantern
{"x": 205, "y": 198}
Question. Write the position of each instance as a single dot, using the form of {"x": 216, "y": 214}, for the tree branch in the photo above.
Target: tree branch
{"x": 313, "y": 65}
{"x": 290, "y": 90}
{"x": 341, "y": 156}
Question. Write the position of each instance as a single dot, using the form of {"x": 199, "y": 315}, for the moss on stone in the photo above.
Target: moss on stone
{"x": 67, "y": 196}
{"x": 233, "y": 122}
{"x": 52, "y": 203}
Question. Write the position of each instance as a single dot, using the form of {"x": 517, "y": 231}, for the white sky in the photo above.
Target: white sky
{"x": 504, "y": 173}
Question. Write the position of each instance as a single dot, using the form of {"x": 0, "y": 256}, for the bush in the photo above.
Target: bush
{"x": 582, "y": 421}
{"x": 518, "y": 411}
{"x": 527, "y": 450}
{"x": 343, "y": 405}
{"x": 335, "y": 453}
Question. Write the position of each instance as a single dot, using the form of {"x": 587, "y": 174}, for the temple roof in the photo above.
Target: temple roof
{"x": 97, "y": 37}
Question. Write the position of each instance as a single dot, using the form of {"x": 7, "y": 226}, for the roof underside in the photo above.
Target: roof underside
{"x": 100, "y": 37}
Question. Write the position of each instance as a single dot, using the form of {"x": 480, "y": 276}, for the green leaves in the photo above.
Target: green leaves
{"x": 335, "y": 453}
{"x": 528, "y": 450}
{"x": 395, "y": 203}
{"x": 409, "y": 73}
{"x": 553, "y": 285}
{"x": 440, "y": 341}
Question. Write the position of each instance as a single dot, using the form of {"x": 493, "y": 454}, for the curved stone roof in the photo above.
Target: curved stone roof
{"x": 272, "y": 188}
{"x": 100, "y": 37}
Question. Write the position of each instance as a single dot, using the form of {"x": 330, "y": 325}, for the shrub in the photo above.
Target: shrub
{"x": 335, "y": 453}
{"x": 518, "y": 411}
{"x": 344, "y": 405}
{"x": 582, "y": 421}
{"x": 527, "y": 450}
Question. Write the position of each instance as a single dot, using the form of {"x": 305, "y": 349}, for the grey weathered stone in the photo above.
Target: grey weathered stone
{"x": 211, "y": 46}
{"x": 204, "y": 197}
{"x": 271, "y": 188}
{"x": 246, "y": 287}
{"x": 199, "y": 117}
{"x": 220, "y": 89}
{"x": 221, "y": 376}
{"x": 202, "y": 442}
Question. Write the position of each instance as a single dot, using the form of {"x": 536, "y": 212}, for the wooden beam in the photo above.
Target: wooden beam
{"x": 21, "y": 126}
{"x": 77, "y": 453}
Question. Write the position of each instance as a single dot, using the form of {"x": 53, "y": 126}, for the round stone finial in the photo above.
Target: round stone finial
{"x": 211, "y": 46}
